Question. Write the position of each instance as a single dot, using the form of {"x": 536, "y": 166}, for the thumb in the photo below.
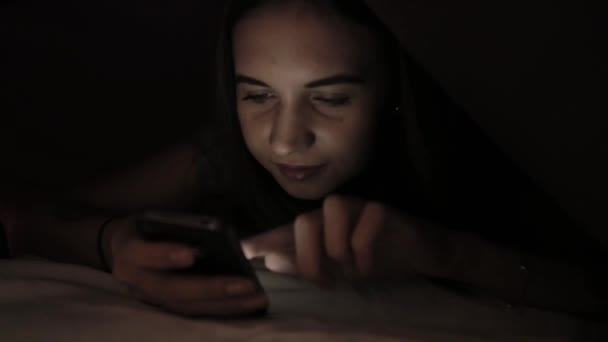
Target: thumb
{"x": 250, "y": 249}
{"x": 278, "y": 240}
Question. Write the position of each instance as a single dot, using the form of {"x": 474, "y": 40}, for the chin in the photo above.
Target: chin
{"x": 305, "y": 193}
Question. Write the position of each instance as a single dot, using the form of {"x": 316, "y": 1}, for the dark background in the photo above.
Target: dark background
{"x": 89, "y": 86}
{"x": 534, "y": 76}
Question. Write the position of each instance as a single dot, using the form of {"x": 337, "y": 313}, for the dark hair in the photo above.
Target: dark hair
{"x": 262, "y": 198}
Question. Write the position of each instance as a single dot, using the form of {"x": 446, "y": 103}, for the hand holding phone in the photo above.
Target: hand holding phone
{"x": 220, "y": 252}
{"x": 147, "y": 267}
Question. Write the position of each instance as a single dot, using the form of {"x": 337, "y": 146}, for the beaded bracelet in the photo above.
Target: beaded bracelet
{"x": 523, "y": 269}
{"x": 100, "y": 252}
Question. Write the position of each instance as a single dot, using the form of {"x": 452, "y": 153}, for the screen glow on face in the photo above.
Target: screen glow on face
{"x": 307, "y": 95}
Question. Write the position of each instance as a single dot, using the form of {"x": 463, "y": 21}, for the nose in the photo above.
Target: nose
{"x": 291, "y": 133}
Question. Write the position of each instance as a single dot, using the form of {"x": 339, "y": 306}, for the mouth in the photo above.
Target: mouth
{"x": 300, "y": 172}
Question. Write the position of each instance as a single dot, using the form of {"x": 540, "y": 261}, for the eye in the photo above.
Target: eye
{"x": 258, "y": 98}
{"x": 333, "y": 101}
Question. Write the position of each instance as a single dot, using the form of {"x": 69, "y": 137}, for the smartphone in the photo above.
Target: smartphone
{"x": 221, "y": 252}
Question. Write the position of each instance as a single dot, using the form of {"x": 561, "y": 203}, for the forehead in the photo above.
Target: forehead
{"x": 297, "y": 34}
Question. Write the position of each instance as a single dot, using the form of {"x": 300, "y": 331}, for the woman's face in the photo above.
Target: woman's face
{"x": 309, "y": 88}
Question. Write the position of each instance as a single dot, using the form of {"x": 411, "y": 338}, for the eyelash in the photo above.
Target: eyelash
{"x": 258, "y": 98}
{"x": 334, "y": 102}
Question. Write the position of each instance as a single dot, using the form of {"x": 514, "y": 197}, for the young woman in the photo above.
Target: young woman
{"x": 349, "y": 167}
{"x": 335, "y": 126}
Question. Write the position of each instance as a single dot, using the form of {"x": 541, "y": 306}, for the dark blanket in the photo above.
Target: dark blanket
{"x": 90, "y": 86}
{"x": 3, "y": 243}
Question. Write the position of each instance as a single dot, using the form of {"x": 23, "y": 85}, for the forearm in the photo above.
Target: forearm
{"x": 168, "y": 179}
{"x": 46, "y": 235}
{"x": 526, "y": 279}
{"x": 66, "y": 229}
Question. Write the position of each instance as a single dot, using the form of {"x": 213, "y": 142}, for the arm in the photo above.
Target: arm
{"x": 369, "y": 240}
{"x": 41, "y": 233}
{"x": 165, "y": 180}
{"x": 148, "y": 269}
{"x": 542, "y": 282}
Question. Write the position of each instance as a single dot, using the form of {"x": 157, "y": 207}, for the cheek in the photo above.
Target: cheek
{"x": 254, "y": 133}
{"x": 359, "y": 145}
{"x": 350, "y": 142}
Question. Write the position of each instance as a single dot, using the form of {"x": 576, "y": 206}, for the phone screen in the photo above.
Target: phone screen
{"x": 220, "y": 250}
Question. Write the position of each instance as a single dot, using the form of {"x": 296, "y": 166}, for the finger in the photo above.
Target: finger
{"x": 175, "y": 288}
{"x": 228, "y": 307}
{"x": 338, "y": 225}
{"x": 158, "y": 255}
{"x": 278, "y": 240}
{"x": 219, "y": 307}
{"x": 370, "y": 225}
{"x": 281, "y": 263}
{"x": 308, "y": 232}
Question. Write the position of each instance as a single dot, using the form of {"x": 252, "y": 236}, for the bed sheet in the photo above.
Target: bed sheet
{"x": 43, "y": 301}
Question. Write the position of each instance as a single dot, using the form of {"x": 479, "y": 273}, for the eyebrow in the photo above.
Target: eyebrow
{"x": 336, "y": 79}
{"x": 331, "y": 80}
{"x": 250, "y": 80}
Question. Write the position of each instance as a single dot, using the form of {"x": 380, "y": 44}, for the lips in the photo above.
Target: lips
{"x": 299, "y": 172}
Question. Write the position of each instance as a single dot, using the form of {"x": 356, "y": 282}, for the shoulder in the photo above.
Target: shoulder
{"x": 165, "y": 178}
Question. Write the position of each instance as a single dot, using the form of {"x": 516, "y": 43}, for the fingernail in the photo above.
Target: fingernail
{"x": 257, "y": 302}
{"x": 132, "y": 289}
{"x": 181, "y": 257}
{"x": 348, "y": 271}
{"x": 240, "y": 288}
